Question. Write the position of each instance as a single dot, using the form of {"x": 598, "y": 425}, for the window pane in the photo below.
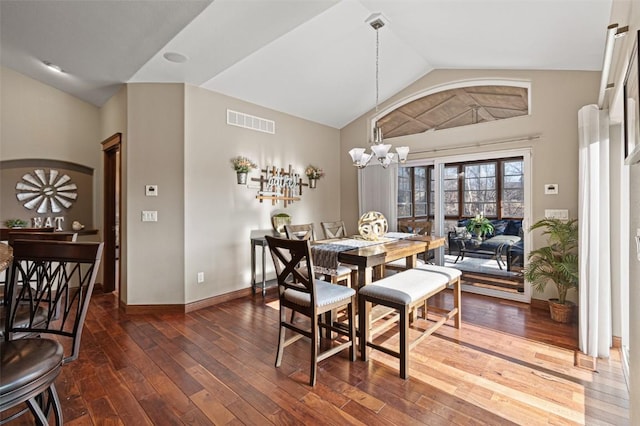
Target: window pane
{"x": 404, "y": 192}
{"x": 432, "y": 191}
{"x": 513, "y": 188}
{"x": 420, "y": 191}
{"x": 480, "y": 194}
{"x": 451, "y": 184}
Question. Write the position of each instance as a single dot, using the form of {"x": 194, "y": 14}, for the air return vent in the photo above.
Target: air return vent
{"x": 235, "y": 118}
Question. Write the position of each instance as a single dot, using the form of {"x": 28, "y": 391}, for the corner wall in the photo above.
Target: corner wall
{"x": 219, "y": 213}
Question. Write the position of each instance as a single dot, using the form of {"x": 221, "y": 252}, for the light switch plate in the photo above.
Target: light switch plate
{"x": 149, "y": 216}
{"x": 151, "y": 190}
{"x": 551, "y": 189}
{"x": 562, "y": 214}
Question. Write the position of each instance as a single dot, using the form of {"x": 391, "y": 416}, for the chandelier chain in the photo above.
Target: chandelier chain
{"x": 377, "y": 67}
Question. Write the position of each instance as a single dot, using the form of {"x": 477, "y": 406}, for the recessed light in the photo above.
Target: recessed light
{"x": 52, "y": 67}
{"x": 175, "y": 57}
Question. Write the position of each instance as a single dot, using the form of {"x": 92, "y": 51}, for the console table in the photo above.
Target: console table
{"x": 258, "y": 239}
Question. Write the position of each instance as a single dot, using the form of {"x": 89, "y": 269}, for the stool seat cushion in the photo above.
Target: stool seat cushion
{"x": 326, "y": 294}
{"x": 409, "y": 286}
{"x": 27, "y": 365}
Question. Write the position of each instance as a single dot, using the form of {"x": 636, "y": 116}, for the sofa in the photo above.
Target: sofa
{"x": 503, "y": 244}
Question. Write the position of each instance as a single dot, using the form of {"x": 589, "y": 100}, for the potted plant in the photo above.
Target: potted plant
{"x": 313, "y": 173}
{"x": 557, "y": 263}
{"x": 242, "y": 166}
{"x": 15, "y": 223}
{"x": 480, "y": 226}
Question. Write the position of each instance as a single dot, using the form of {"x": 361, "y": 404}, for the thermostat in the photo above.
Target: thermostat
{"x": 551, "y": 189}
{"x": 151, "y": 190}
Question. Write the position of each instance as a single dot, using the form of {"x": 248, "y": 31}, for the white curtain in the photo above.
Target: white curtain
{"x": 378, "y": 191}
{"x": 595, "y": 335}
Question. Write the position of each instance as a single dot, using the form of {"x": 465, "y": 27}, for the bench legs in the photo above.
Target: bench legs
{"x": 404, "y": 310}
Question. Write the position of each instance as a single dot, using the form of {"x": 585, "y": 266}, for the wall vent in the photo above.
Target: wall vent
{"x": 240, "y": 119}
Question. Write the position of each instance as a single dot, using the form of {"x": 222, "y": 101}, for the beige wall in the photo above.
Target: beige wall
{"x": 41, "y": 122}
{"x": 556, "y": 97}
{"x": 219, "y": 213}
{"x": 155, "y": 155}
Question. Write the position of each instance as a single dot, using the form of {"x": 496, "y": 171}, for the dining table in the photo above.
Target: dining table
{"x": 368, "y": 256}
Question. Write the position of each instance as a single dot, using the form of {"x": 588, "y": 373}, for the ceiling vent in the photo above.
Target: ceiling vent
{"x": 235, "y": 118}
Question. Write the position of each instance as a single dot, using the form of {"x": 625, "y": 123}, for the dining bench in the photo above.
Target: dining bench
{"x": 405, "y": 292}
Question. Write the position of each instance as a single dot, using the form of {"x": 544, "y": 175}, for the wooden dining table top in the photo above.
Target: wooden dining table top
{"x": 6, "y": 256}
{"x": 377, "y": 254}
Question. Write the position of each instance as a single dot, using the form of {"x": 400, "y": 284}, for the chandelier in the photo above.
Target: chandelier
{"x": 379, "y": 149}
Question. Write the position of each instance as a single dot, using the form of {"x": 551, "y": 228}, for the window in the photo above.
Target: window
{"x": 405, "y": 194}
{"x": 495, "y": 188}
{"x": 480, "y": 192}
{"x": 412, "y": 191}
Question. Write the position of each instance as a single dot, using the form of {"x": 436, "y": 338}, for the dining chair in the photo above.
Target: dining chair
{"x": 22, "y": 234}
{"x": 334, "y": 229}
{"x": 409, "y": 226}
{"x": 301, "y": 292}
{"x": 306, "y": 232}
{"x": 4, "y": 232}
{"x": 32, "y": 354}
{"x": 417, "y": 226}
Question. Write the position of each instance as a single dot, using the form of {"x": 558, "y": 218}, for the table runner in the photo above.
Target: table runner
{"x": 325, "y": 255}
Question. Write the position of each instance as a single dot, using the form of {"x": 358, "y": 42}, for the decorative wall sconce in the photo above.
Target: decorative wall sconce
{"x": 242, "y": 166}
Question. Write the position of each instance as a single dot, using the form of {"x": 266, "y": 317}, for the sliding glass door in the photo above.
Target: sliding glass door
{"x": 454, "y": 191}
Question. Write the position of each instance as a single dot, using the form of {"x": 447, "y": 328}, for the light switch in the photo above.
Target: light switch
{"x": 562, "y": 214}
{"x": 151, "y": 190}
{"x": 149, "y": 216}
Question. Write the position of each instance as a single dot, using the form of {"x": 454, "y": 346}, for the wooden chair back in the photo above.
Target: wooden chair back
{"x": 41, "y": 236}
{"x": 61, "y": 276}
{"x": 300, "y": 232}
{"x": 334, "y": 229}
{"x": 419, "y": 226}
{"x": 294, "y": 266}
{"x": 4, "y": 232}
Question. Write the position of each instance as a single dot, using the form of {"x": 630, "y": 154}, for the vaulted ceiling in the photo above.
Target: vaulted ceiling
{"x": 314, "y": 59}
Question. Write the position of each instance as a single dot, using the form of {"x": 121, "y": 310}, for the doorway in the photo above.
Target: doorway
{"x": 111, "y": 213}
{"x": 470, "y": 191}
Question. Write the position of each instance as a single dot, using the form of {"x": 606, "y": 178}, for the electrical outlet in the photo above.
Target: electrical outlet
{"x": 200, "y": 277}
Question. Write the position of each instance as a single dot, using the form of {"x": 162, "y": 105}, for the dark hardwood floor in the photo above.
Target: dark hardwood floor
{"x": 508, "y": 364}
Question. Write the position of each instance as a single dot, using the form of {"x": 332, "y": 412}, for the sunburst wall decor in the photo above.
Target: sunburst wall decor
{"x": 46, "y": 192}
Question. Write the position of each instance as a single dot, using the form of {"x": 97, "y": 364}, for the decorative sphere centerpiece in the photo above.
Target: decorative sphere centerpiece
{"x": 372, "y": 225}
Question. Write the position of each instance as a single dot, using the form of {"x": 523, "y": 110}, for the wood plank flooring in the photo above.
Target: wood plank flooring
{"x": 508, "y": 364}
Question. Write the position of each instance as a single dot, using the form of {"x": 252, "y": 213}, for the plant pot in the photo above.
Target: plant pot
{"x": 279, "y": 222}
{"x": 242, "y": 178}
{"x": 561, "y": 312}
{"x": 312, "y": 183}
